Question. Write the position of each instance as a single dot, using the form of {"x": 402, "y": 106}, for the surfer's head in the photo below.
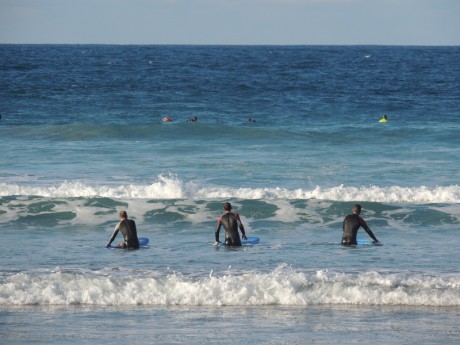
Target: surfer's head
{"x": 227, "y": 206}
{"x": 356, "y": 209}
{"x": 123, "y": 214}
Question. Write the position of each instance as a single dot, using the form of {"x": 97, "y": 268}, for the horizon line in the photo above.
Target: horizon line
{"x": 244, "y": 44}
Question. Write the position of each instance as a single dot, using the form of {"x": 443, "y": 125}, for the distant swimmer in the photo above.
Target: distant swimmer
{"x": 384, "y": 119}
{"x": 351, "y": 224}
{"x": 167, "y": 119}
{"x": 250, "y": 120}
{"x": 231, "y": 222}
{"x": 193, "y": 119}
{"x": 129, "y": 231}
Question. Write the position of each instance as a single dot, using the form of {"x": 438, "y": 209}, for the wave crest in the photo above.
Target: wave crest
{"x": 171, "y": 187}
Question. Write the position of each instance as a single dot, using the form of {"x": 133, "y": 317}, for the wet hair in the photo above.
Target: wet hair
{"x": 123, "y": 214}
{"x": 357, "y": 208}
{"x": 227, "y": 206}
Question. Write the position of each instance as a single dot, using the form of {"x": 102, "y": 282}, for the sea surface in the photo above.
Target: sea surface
{"x": 290, "y": 135}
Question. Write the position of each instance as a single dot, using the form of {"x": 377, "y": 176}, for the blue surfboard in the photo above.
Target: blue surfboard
{"x": 251, "y": 240}
{"x": 368, "y": 243}
{"x": 143, "y": 241}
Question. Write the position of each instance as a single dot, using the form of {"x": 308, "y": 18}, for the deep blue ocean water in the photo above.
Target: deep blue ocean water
{"x": 82, "y": 137}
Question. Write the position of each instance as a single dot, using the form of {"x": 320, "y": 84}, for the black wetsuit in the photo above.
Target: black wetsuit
{"x": 351, "y": 224}
{"x": 129, "y": 231}
{"x": 231, "y": 223}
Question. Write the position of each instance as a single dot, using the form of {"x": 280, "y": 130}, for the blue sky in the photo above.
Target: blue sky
{"x": 388, "y": 22}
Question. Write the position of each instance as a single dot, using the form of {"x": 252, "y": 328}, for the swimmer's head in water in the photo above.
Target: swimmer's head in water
{"x": 227, "y": 206}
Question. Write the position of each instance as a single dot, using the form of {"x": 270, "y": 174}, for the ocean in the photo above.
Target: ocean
{"x": 289, "y": 135}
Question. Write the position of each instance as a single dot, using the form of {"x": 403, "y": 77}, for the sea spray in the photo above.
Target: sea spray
{"x": 171, "y": 186}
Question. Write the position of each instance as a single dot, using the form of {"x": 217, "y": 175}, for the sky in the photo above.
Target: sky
{"x": 230, "y": 22}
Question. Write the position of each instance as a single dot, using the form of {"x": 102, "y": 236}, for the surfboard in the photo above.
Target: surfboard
{"x": 143, "y": 241}
{"x": 368, "y": 243}
{"x": 251, "y": 240}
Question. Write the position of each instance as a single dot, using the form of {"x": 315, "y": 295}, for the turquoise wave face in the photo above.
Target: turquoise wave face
{"x": 232, "y": 155}
{"x": 101, "y": 212}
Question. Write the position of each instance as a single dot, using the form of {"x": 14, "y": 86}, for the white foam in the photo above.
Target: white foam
{"x": 171, "y": 187}
{"x": 283, "y": 286}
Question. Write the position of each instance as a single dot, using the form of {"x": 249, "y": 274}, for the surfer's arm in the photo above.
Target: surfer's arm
{"x": 115, "y": 233}
{"x": 368, "y": 230}
{"x": 241, "y": 226}
{"x": 219, "y": 224}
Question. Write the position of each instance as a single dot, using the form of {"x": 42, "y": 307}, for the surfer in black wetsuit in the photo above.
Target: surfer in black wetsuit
{"x": 129, "y": 231}
{"x": 231, "y": 222}
{"x": 351, "y": 224}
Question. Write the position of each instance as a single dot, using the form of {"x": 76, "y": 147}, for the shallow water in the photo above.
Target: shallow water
{"x": 230, "y": 325}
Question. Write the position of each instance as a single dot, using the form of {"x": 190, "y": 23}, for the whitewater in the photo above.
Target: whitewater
{"x": 171, "y": 187}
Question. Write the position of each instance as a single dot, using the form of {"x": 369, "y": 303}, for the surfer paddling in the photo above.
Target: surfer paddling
{"x": 351, "y": 224}
{"x": 231, "y": 222}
